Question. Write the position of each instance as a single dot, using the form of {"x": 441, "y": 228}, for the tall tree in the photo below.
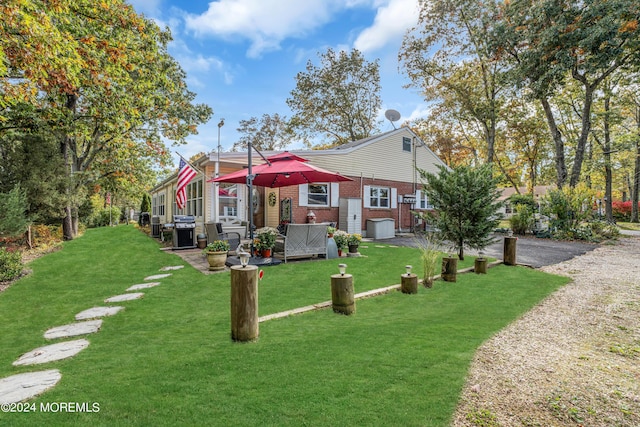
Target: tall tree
{"x": 270, "y": 132}
{"x": 447, "y": 56}
{"x": 127, "y": 94}
{"x": 553, "y": 40}
{"x": 338, "y": 99}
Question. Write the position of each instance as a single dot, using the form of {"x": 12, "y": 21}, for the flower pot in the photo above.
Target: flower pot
{"x": 339, "y": 252}
{"x": 266, "y": 253}
{"x": 216, "y": 260}
{"x": 353, "y": 249}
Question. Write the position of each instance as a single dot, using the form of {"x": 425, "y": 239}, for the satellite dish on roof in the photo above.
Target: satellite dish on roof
{"x": 392, "y": 116}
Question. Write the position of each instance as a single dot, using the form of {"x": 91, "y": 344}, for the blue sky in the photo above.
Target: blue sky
{"x": 241, "y": 56}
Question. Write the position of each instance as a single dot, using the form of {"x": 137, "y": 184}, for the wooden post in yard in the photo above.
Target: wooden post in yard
{"x": 509, "y": 255}
{"x": 449, "y": 269}
{"x": 409, "y": 283}
{"x": 342, "y": 297}
{"x": 244, "y": 303}
{"x": 480, "y": 266}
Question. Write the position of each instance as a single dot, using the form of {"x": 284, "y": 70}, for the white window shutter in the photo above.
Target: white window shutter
{"x": 418, "y": 199}
{"x": 303, "y": 195}
{"x": 335, "y": 194}
{"x": 394, "y": 198}
{"x": 367, "y": 196}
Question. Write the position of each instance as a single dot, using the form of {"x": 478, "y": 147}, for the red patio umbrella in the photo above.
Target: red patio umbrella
{"x": 284, "y": 169}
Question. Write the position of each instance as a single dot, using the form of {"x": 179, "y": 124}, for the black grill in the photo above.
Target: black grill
{"x": 184, "y": 231}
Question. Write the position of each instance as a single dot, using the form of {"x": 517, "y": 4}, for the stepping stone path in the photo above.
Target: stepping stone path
{"x": 53, "y": 352}
{"x": 125, "y": 297}
{"x": 142, "y": 286}
{"x": 74, "y": 329}
{"x": 17, "y": 388}
{"x": 172, "y": 267}
{"x": 157, "y": 276}
{"x": 25, "y": 386}
{"x": 95, "y": 312}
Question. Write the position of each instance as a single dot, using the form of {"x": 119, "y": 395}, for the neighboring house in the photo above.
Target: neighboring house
{"x": 386, "y": 185}
{"x": 538, "y": 192}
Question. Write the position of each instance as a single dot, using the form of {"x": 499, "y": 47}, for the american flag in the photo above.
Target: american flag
{"x": 185, "y": 175}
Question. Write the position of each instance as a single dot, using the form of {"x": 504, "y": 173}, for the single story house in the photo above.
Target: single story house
{"x": 385, "y": 188}
{"x": 538, "y": 192}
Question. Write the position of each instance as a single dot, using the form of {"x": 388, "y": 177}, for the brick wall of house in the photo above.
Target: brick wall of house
{"x": 353, "y": 189}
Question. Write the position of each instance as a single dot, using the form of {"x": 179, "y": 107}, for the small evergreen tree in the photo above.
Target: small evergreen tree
{"x": 466, "y": 200}
{"x": 13, "y": 206}
{"x": 145, "y": 206}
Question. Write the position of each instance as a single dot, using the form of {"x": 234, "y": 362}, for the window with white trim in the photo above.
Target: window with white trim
{"x": 194, "y": 199}
{"x": 319, "y": 194}
{"x": 379, "y": 197}
{"x": 406, "y": 144}
{"x": 422, "y": 200}
{"x": 160, "y": 205}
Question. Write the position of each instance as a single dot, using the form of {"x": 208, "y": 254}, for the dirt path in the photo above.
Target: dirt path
{"x": 572, "y": 360}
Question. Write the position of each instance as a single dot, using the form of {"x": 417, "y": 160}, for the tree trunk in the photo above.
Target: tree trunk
{"x": 561, "y": 167}
{"x": 67, "y": 224}
{"x": 584, "y": 135}
{"x": 636, "y": 173}
{"x": 636, "y": 181}
{"x": 608, "y": 206}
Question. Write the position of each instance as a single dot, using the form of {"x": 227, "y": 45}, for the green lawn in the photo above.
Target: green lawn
{"x": 168, "y": 359}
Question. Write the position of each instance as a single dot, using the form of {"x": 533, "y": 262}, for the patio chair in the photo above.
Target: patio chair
{"x": 215, "y": 232}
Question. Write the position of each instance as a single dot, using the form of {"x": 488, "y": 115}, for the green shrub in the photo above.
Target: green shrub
{"x": 522, "y": 221}
{"x": 604, "y": 230}
{"x": 10, "y": 264}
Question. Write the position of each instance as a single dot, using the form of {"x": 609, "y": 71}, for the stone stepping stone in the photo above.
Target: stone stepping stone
{"x": 172, "y": 267}
{"x": 142, "y": 286}
{"x": 125, "y": 297}
{"x": 96, "y": 312}
{"x": 157, "y": 276}
{"x": 53, "y": 352}
{"x": 17, "y": 388}
{"x": 74, "y": 329}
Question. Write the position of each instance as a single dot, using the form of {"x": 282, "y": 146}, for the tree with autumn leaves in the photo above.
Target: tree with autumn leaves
{"x": 97, "y": 78}
{"x": 497, "y": 73}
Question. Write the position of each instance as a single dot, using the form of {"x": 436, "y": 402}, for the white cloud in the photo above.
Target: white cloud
{"x": 148, "y": 7}
{"x": 390, "y": 24}
{"x": 265, "y": 23}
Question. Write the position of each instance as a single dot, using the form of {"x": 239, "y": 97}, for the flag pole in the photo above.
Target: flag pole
{"x": 187, "y": 162}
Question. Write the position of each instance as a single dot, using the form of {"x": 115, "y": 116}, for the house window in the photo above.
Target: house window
{"x": 154, "y": 206}
{"x": 160, "y": 205}
{"x": 422, "y": 200}
{"x": 194, "y": 200}
{"x": 379, "y": 197}
{"x": 406, "y": 144}
{"x": 318, "y": 195}
{"x": 228, "y": 200}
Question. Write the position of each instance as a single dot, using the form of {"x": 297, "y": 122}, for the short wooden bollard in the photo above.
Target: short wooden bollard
{"x": 449, "y": 269}
{"x": 409, "y": 284}
{"x": 509, "y": 255}
{"x": 480, "y": 266}
{"x": 342, "y": 298}
{"x": 244, "y": 303}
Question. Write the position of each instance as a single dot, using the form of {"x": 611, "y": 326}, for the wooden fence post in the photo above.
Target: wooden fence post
{"x": 244, "y": 303}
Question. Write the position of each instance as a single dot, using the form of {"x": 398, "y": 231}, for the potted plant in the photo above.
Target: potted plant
{"x": 266, "y": 240}
{"x": 216, "y": 252}
{"x": 353, "y": 241}
{"x": 340, "y": 237}
{"x": 330, "y": 231}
